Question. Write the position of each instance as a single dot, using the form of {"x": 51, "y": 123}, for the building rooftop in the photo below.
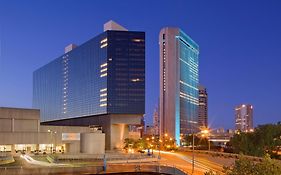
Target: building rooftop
{"x": 111, "y": 25}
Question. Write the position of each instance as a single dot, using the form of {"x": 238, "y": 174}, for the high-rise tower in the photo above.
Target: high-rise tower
{"x": 244, "y": 118}
{"x": 203, "y": 107}
{"x": 178, "y": 83}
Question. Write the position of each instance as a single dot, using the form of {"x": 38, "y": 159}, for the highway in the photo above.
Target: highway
{"x": 183, "y": 160}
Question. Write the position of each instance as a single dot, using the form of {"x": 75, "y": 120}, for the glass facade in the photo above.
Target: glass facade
{"x": 188, "y": 52}
{"x": 105, "y": 75}
{"x": 179, "y": 77}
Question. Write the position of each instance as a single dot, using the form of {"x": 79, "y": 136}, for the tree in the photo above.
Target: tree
{"x": 265, "y": 139}
{"x": 243, "y": 166}
{"x": 136, "y": 144}
{"x": 198, "y": 141}
{"x": 128, "y": 143}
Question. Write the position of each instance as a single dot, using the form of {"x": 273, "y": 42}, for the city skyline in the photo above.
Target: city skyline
{"x": 226, "y": 60}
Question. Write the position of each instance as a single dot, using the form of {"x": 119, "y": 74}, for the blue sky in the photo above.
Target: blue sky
{"x": 240, "y": 46}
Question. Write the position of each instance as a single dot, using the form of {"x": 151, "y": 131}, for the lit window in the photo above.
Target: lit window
{"x": 105, "y": 69}
{"x": 103, "y": 45}
{"x": 103, "y": 41}
{"x": 103, "y": 65}
{"x": 135, "y": 80}
{"x": 102, "y": 105}
{"x": 103, "y": 95}
{"x": 103, "y": 75}
{"x": 103, "y": 99}
{"x": 137, "y": 40}
{"x": 104, "y": 89}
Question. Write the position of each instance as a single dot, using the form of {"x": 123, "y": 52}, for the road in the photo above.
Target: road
{"x": 181, "y": 160}
{"x": 203, "y": 163}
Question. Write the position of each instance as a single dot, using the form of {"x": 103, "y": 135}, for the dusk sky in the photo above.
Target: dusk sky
{"x": 240, "y": 46}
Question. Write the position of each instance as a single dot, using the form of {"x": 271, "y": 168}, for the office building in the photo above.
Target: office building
{"x": 203, "y": 108}
{"x": 100, "y": 82}
{"x": 244, "y": 118}
{"x": 178, "y": 83}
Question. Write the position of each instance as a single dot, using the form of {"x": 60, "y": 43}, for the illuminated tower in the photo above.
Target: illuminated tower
{"x": 178, "y": 83}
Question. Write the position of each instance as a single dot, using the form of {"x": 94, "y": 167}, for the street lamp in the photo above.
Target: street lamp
{"x": 192, "y": 130}
{"x": 159, "y": 143}
{"x": 206, "y": 133}
{"x": 52, "y": 132}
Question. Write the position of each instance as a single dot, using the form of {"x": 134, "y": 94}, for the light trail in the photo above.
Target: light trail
{"x": 30, "y": 160}
{"x": 198, "y": 164}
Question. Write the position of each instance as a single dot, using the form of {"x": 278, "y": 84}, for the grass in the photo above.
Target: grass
{"x": 17, "y": 163}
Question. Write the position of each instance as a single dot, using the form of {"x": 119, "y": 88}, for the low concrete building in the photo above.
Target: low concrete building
{"x": 20, "y": 130}
{"x": 115, "y": 126}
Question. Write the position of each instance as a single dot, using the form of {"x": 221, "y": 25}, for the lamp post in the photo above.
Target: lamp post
{"x": 192, "y": 151}
{"x": 159, "y": 143}
{"x": 206, "y": 133}
{"x": 192, "y": 130}
{"x": 52, "y": 132}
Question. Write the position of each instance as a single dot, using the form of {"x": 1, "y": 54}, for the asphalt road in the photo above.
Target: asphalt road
{"x": 202, "y": 163}
{"x": 181, "y": 160}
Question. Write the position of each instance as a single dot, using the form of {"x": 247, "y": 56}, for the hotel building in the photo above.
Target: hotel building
{"x": 178, "y": 83}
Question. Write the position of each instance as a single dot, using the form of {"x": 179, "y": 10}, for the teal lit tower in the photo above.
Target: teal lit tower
{"x": 178, "y": 83}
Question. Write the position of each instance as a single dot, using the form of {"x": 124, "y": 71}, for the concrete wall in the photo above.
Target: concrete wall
{"x": 23, "y": 125}
{"x": 73, "y": 148}
{"x": 5, "y": 125}
{"x": 167, "y": 108}
{"x": 119, "y": 132}
{"x": 92, "y": 143}
{"x": 64, "y": 129}
{"x": 19, "y": 113}
{"x": 24, "y": 138}
{"x": 21, "y": 120}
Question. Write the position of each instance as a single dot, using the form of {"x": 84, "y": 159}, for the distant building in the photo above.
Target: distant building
{"x": 100, "y": 82}
{"x": 203, "y": 107}
{"x": 156, "y": 121}
{"x": 178, "y": 83}
{"x": 244, "y": 118}
{"x": 219, "y": 137}
{"x": 149, "y": 130}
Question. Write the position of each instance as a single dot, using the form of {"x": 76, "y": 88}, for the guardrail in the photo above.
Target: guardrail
{"x": 223, "y": 154}
{"x": 111, "y": 168}
{"x": 101, "y": 157}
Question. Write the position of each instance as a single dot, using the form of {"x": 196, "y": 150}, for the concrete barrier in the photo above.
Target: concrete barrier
{"x": 6, "y": 159}
{"x": 172, "y": 170}
{"x": 222, "y": 154}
